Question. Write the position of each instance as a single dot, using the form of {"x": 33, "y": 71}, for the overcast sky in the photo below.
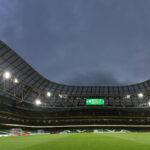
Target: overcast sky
{"x": 80, "y": 42}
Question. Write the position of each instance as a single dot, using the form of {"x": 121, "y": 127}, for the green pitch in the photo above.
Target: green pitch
{"x": 84, "y": 141}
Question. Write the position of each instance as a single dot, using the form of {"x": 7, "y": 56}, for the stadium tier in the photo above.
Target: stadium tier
{"x": 30, "y": 100}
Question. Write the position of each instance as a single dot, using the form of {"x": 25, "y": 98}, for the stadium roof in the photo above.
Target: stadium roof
{"x": 10, "y": 60}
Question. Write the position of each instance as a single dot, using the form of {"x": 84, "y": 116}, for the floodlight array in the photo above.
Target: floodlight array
{"x": 8, "y": 76}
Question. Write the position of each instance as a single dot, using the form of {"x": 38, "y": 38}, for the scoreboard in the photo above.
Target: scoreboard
{"x": 94, "y": 101}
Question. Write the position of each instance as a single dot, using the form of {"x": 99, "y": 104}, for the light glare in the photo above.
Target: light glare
{"x": 7, "y": 75}
{"x": 60, "y": 96}
{"x": 16, "y": 80}
{"x": 128, "y": 96}
{"x": 38, "y": 102}
{"x": 48, "y": 94}
{"x": 140, "y": 95}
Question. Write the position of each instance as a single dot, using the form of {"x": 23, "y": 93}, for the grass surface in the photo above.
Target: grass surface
{"x": 84, "y": 141}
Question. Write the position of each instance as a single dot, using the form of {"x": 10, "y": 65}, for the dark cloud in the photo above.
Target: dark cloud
{"x": 94, "y": 78}
{"x": 66, "y": 40}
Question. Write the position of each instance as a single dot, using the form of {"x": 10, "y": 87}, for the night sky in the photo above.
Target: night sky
{"x": 80, "y": 42}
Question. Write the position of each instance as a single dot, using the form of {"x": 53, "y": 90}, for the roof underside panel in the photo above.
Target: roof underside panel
{"x": 10, "y": 60}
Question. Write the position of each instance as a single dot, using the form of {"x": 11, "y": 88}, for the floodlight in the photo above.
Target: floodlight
{"x": 16, "y": 80}
{"x": 140, "y": 95}
{"x": 60, "y": 96}
{"x": 48, "y": 94}
{"x": 38, "y": 102}
{"x": 7, "y": 75}
{"x": 128, "y": 96}
{"x": 148, "y": 103}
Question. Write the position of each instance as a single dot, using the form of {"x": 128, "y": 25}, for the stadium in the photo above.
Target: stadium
{"x": 32, "y": 105}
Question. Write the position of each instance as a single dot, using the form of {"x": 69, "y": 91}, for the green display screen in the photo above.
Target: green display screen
{"x": 94, "y": 101}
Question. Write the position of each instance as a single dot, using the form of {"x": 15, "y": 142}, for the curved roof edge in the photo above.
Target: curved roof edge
{"x": 10, "y": 60}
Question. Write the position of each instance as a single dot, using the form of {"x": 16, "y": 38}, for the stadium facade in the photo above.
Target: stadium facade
{"x": 28, "y": 99}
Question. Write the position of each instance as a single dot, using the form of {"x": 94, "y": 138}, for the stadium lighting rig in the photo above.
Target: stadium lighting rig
{"x": 7, "y": 75}
{"x": 38, "y": 102}
{"x": 140, "y": 95}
